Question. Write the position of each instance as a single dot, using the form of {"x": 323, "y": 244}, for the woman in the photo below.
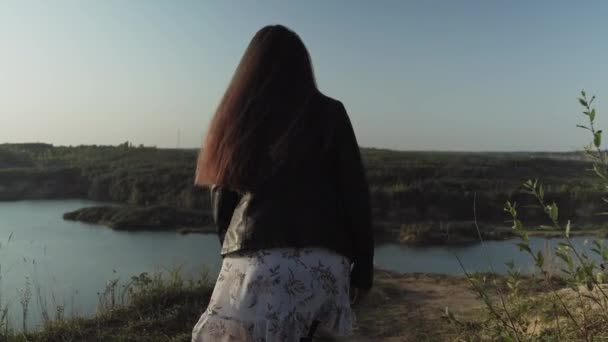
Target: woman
{"x": 290, "y": 200}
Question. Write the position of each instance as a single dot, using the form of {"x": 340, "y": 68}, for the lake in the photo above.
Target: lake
{"x": 69, "y": 263}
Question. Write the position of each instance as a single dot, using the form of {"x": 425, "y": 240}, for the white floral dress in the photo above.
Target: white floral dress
{"x": 276, "y": 294}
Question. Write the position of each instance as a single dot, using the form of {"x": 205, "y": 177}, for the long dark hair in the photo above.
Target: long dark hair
{"x": 261, "y": 112}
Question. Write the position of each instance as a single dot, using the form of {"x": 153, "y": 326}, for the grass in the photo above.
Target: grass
{"x": 534, "y": 312}
{"x": 160, "y": 307}
{"x": 165, "y": 307}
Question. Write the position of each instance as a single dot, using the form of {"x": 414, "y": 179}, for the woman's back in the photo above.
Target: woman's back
{"x": 306, "y": 201}
{"x": 289, "y": 197}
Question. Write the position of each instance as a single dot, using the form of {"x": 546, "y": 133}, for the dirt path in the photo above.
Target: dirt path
{"x": 408, "y": 307}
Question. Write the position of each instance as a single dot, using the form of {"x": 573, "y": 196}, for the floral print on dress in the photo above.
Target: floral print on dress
{"x": 276, "y": 294}
{"x": 293, "y": 286}
{"x": 218, "y": 329}
{"x": 257, "y": 258}
{"x": 323, "y": 276}
{"x": 295, "y": 255}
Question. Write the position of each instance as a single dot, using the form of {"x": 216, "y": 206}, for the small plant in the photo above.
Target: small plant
{"x": 25, "y": 297}
{"x": 149, "y": 307}
{"x": 573, "y": 303}
{"x": 413, "y": 232}
{"x": 4, "y": 323}
{"x": 107, "y": 298}
{"x": 5, "y": 327}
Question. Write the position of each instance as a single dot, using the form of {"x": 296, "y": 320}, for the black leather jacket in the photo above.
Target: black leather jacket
{"x": 324, "y": 204}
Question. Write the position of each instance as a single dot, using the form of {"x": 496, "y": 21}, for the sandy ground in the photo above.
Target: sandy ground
{"x": 409, "y": 307}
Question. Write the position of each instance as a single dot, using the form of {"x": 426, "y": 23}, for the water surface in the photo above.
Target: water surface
{"x": 70, "y": 262}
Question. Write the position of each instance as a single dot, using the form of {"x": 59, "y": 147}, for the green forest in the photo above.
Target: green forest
{"x": 417, "y": 197}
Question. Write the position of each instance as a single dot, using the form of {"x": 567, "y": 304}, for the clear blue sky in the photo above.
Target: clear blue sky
{"x": 415, "y": 75}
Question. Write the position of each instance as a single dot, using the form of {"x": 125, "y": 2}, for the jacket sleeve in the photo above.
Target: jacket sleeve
{"x": 355, "y": 198}
{"x": 223, "y": 203}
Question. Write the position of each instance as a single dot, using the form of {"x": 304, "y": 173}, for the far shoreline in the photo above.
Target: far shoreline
{"x": 101, "y": 214}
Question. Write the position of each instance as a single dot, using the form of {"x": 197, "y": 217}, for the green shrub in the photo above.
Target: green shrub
{"x": 572, "y": 307}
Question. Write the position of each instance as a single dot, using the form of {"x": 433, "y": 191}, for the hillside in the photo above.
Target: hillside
{"x": 415, "y": 194}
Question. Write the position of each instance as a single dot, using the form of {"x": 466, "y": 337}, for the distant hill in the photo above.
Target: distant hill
{"x": 406, "y": 186}
{"x": 11, "y": 159}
